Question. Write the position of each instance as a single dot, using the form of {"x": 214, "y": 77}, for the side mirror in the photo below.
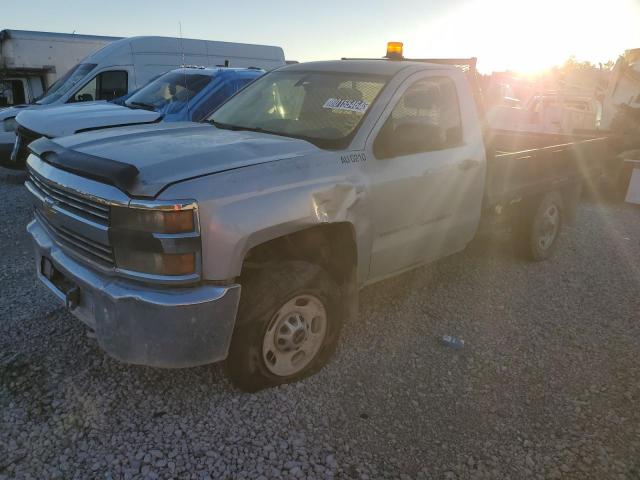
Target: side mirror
{"x": 85, "y": 97}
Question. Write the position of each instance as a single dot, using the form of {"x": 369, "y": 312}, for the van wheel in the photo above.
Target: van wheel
{"x": 537, "y": 227}
{"x": 288, "y": 325}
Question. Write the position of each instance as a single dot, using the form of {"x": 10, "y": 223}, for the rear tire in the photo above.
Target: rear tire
{"x": 537, "y": 227}
{"x": 289, "y": 321}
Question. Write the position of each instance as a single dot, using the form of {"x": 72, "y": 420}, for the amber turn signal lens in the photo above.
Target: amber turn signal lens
{"x": 178, "y": 263}
{"x": 178, "y": 221}
{"x": 156, "y": 263}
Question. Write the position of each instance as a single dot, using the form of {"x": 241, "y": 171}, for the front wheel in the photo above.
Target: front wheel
{"x": 288, "y": 325}
{"x": 537, "y": 227}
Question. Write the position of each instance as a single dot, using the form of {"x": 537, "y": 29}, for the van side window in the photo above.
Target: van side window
{"x": 426, "y": 118}
{"x": 104, "y": 86}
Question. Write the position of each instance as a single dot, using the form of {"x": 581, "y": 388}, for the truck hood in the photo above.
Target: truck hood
{"x": 13, "y": 111}
{"x": 168, "y": 153}
{"x": 63, "y": 120}
{"x": 17, "y": 109}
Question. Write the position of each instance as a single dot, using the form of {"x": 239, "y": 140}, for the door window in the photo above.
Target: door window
{"x": 211, "y": 102}
{"x": 222, "y": 93}
{"x": 66, "y": 83}
{"x": 426, "y": 118}
{"x": 86, "y": 93}
{"x": 104, "y": 86}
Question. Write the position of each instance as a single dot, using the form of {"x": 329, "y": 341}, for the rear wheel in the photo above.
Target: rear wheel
{"x": 288, "y": 325}
{"x": 537, "y": 227}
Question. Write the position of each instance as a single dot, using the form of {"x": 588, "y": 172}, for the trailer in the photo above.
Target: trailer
{"x": 30, "y": 62}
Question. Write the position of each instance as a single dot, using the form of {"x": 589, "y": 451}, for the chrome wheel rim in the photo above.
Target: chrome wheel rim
{"x": 294, "y": 335}
{"x": 549, "y": 227}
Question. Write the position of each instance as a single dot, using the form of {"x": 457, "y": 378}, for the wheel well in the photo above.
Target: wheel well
{"x": 332, "y": 246}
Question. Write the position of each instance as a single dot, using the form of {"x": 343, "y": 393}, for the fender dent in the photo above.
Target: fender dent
{"x": 334, "y": 203}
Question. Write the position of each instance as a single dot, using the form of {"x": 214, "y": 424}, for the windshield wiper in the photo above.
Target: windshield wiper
{"x": 145, "y": 106}
{"x": 235, "y": 128}
{"x": 318, "y": 142}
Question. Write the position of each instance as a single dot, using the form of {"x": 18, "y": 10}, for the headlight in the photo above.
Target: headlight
{"x": 172, "y": 220}
{"x": 156, "y": 239}
{"x": 9, "y": 124}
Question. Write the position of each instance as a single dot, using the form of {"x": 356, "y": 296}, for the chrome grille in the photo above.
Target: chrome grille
{"x": 75, "y": 221}
{"x": 102, "y": 254}
{"x": 83, "y": 206}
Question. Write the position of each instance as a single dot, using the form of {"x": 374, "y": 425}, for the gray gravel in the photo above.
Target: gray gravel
{"x": 547, "y": 386}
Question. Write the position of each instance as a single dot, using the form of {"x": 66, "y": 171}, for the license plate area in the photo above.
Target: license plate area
{"x": 67, "y": 289}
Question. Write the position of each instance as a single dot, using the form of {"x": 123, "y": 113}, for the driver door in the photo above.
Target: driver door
{"x": 427, "y": 177}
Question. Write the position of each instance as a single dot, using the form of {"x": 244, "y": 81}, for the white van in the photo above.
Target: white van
{"x": 125, "y": 65}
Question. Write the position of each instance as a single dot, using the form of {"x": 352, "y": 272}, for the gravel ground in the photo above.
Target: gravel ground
{"x": 547, "y": 386}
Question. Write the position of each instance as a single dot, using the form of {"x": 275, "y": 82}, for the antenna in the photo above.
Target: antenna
{"x": 183, "y": 67}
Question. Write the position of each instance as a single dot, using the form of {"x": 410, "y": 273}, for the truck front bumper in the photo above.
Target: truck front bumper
{"x": 162, "y": 327}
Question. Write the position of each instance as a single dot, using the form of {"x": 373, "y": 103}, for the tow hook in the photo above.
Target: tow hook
{"x": 72, "y": 298}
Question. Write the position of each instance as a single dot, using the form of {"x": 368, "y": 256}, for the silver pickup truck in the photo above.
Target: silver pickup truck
{"x": 247, "y": 238}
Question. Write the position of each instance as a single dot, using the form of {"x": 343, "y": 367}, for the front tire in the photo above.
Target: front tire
{"x": 289, "y": 321}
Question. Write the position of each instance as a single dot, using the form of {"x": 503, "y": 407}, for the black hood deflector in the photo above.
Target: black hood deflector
{"x": 120, "y": 175}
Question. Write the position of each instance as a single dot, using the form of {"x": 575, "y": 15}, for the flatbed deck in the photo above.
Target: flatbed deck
{"x": 521, "y": 165}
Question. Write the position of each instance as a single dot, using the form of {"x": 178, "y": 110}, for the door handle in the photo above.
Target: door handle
{"x": 468, "y": 164}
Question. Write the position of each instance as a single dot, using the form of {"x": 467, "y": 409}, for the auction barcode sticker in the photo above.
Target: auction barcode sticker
{"x": 350, "y": 105}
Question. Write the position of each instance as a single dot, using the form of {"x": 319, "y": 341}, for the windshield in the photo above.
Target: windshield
{"x": 324, "y": 108}
{"x": 66, "y": 83}
{"x": 170, "y": 92}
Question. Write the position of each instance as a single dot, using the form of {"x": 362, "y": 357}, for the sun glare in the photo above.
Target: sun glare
{"x": 530, "y": 36}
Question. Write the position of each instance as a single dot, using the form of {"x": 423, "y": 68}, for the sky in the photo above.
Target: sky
{"x": 524, "y": 35}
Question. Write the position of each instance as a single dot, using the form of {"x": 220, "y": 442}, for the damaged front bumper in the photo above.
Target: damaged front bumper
{"x": 156, "y": 326}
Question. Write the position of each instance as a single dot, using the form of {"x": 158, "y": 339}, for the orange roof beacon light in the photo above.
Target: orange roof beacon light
{"x": 394, "y": 51}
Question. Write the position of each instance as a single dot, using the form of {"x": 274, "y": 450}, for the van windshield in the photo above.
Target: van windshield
{"x": 324, "y": 108}
{"x": 66, "y": 83}
{"x": 170, "y": 92}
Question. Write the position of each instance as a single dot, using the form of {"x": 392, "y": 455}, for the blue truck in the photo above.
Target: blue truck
{"x": 184, "y": 94}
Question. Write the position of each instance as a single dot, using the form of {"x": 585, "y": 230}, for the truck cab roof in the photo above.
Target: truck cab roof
{"x": 365, "y": 66}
